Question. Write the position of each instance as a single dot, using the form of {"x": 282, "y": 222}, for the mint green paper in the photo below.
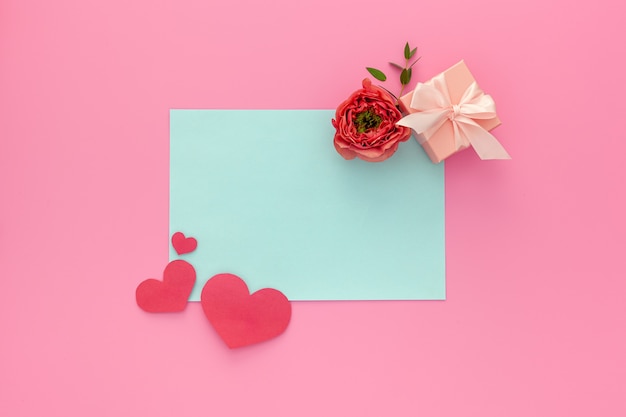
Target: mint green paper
{"x": 269, "y": 199}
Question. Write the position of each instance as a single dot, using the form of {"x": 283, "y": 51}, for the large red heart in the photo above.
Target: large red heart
{"x": 183, "y": 244}
{"x": 242, "y": 319}
{"x": 171, "y": 294}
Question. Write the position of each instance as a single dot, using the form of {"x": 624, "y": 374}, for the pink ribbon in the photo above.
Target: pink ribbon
{"x": 434, "y": 106}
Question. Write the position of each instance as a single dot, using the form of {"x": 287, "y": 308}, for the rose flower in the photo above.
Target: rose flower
{"x": 366, "y": 125}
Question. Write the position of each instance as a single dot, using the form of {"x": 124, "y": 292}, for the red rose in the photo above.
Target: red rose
{"x": 366, "y": 125}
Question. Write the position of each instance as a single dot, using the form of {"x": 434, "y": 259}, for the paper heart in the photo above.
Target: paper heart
{"x": 240, "y": 318}
{"x": 183, "y": 244}
{"x": 171, "y": 294}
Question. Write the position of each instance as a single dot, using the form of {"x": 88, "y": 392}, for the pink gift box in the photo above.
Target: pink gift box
{"x": 439, "y": 142}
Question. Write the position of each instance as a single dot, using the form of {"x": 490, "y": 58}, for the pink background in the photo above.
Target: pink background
{"x": 535, "y": 318}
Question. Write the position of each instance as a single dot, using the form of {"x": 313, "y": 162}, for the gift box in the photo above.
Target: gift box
{"x": 450, "y": 113}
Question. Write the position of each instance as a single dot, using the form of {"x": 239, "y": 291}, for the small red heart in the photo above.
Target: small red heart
{"x": 171, "y": 294}
{"x": 183, "y": 244}
{"x": 242, "y": 319}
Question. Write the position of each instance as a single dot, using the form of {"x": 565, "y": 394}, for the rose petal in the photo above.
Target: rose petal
{"x": 345, "y": 152}
{"x": 376, "y": 144}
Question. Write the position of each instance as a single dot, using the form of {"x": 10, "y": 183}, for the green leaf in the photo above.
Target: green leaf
{"x": 412, "y": 53}
{"x": 400, "y": 67}
{"x": 378, "y": 74}
{"x": 390, "y": 93}
{"x": 407, "y": 51}
{"x": 415, "y": 62}
{"x": 405, "y": 77}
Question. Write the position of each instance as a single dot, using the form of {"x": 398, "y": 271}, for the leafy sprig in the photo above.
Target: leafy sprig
{"x": 406, "y": 71}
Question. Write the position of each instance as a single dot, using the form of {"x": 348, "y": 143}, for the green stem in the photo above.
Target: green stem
{"x": 406, "y": 67}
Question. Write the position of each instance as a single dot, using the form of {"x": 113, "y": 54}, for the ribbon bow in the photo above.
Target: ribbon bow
{"x": 434, "y": 106}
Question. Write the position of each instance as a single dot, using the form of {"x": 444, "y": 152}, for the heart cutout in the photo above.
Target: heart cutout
{"x": 241, "y": 318}
{"x": 183, "y": 244}
{"x": 171, "y": 294}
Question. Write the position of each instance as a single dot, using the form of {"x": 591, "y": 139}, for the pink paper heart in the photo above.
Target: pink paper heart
{"x": 240, "y": 318}
{"x": 171, "y": 294}
{"x": 183, "y": 244}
